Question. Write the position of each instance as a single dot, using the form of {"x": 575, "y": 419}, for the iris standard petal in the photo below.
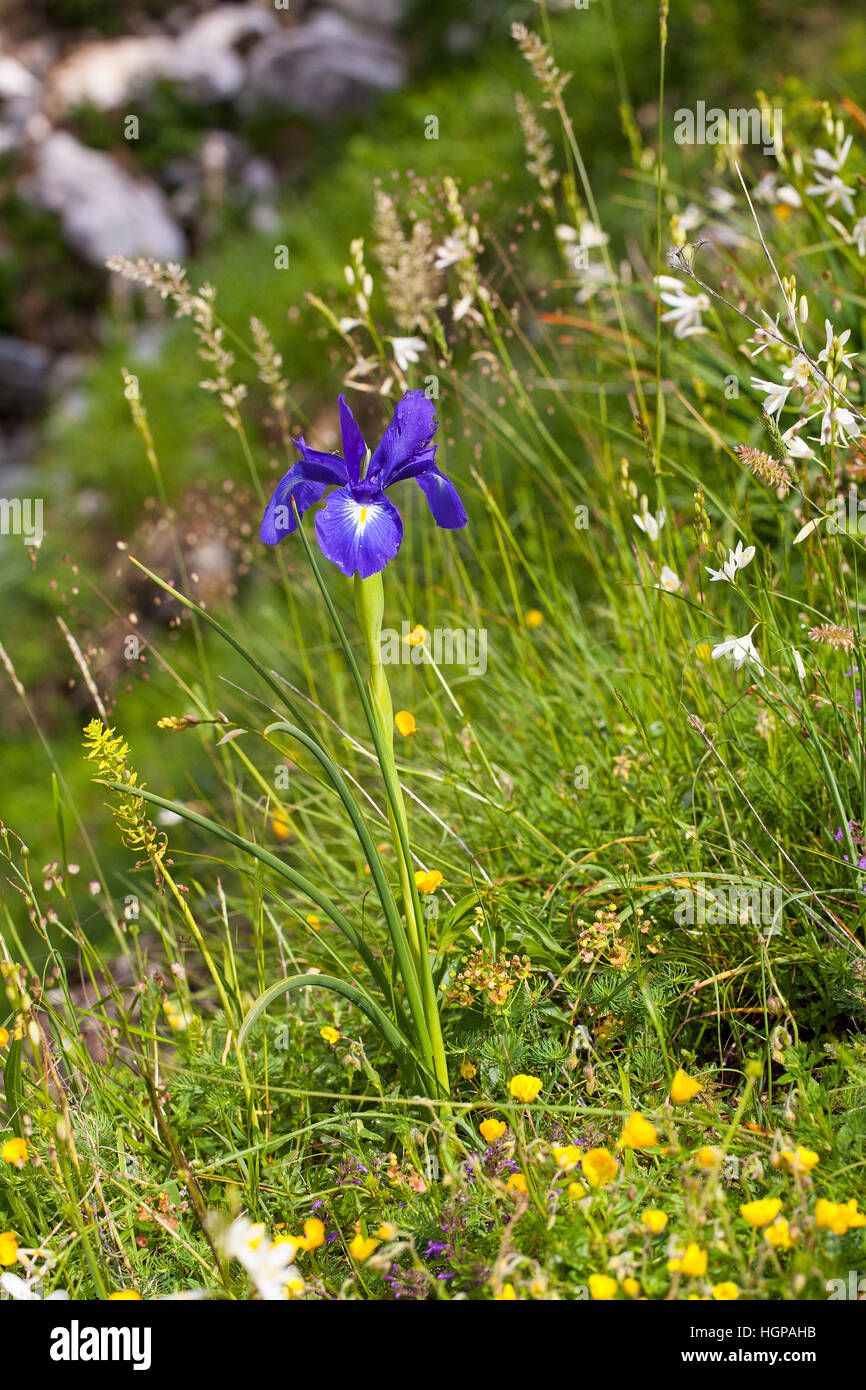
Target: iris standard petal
{"x": 442, "y": 499}
{"x": 279, "y": 519}
{"x": 354, "y": 447}
{"x": 422, "y": 461}
{"x": 359, "y": 533}
{"x": 409, "y": 434}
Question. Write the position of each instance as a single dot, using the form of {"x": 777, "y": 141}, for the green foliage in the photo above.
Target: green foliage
{"x": 218, "y": 969}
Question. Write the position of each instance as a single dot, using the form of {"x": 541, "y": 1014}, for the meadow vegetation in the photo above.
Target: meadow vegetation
{"x": 375, "y": 970}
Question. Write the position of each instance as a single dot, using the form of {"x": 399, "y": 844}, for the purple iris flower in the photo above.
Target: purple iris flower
{"x": 359, "y": 528}
{"x": 857, "y": 696}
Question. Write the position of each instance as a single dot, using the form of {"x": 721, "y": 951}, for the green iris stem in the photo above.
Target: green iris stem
{"x": 370, "y": 608}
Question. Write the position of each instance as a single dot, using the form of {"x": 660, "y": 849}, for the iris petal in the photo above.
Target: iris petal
{"x": 354, "y": 447}
{"x": 321, "y": 468}
{"x": 359, "y": 533}
{"x": 442, "y": 499}
{"x": 279, "y": 519}
{"x": 419, "y": 464}
{"x": 409, "y": 435}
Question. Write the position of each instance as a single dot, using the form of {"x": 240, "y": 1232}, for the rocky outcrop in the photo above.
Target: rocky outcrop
{"x": 103, "y": 208}
{"x": 326, "y": 66}
{"x": 205, "y": 59}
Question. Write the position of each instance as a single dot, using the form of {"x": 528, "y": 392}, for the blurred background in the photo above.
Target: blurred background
{"x": 214, "y": 134}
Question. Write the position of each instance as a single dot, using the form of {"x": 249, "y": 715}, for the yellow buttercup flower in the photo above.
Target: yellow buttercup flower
{"x": 638, "y": 1133}
{"x": 4, "y": 1037}
{"x": 654, "y": 1220}
{"x": 599, "y": 1167}
{"x": 507, "y": 1296}
{"x": 838, "y": 1217}
{"x": 362, "y": 1247}
{"x": 468, "y": 1071}
{"x": 124, "y": 1296}
{"x": 524, "y": 1088}
{"x": 707, "y": 1157}
{"x": 8, "y": 1248}
{"x": 631, "y": 1287}
{"x": 761, "y": 1213}
{"x": 491, "y": 1130}
{"x": 387, "y": 1231}
{"x": 534, "y": 617}
{"x": 565, "y": 1156}
{"x": 280, "y": 825}
{"x": 331, "y": 1035}
{"x": 14, "y": 1151}
{"x": 405, "y": 722}
{"x": 779, "y": 1235}
{"x": 577, "y": 1191}
{"x": 827, "y": 1216}
{"x": 602, "y": 1288}
{"x": 517, "y": 1183}
{"x": 726, "y": 1293}
{"x": 314, "y": 1234}
{"x": 427, "y": 881}
{"x": 854, "y": 1217}
{"x": 418, "y": 635}
{"x": 799, "y": 1160}
{"x": 693, "y": 1262}
{"x": 684, "y": 1087}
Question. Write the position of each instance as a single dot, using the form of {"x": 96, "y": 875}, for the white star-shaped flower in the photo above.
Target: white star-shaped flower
{"x": 649, "y": 524}
{"x": 685, "y": 308}
{"x": 669, "y": 580}
{"x": 834, "y": 190}
{"x": 774, "y": 395}
{"x": 269, "y": 1264}
{"x": 407, "y": 350}
{"x": 740, "y": 650}
{"x": 839, "y": 423}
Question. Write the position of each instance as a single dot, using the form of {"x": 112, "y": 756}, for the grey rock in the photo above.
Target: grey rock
{"x": 324, "y": 67}
{"x": 103, "y": 209}
{"x": 17, "y": 83}
{"x": 24, "y": 372}
{"x": 385, "y": 14}
{"x": 203, "y": 59}
{"x": 20, "y": 98}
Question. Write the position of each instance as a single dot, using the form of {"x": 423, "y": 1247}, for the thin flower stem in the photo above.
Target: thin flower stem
{"x": 370, "y": 604}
